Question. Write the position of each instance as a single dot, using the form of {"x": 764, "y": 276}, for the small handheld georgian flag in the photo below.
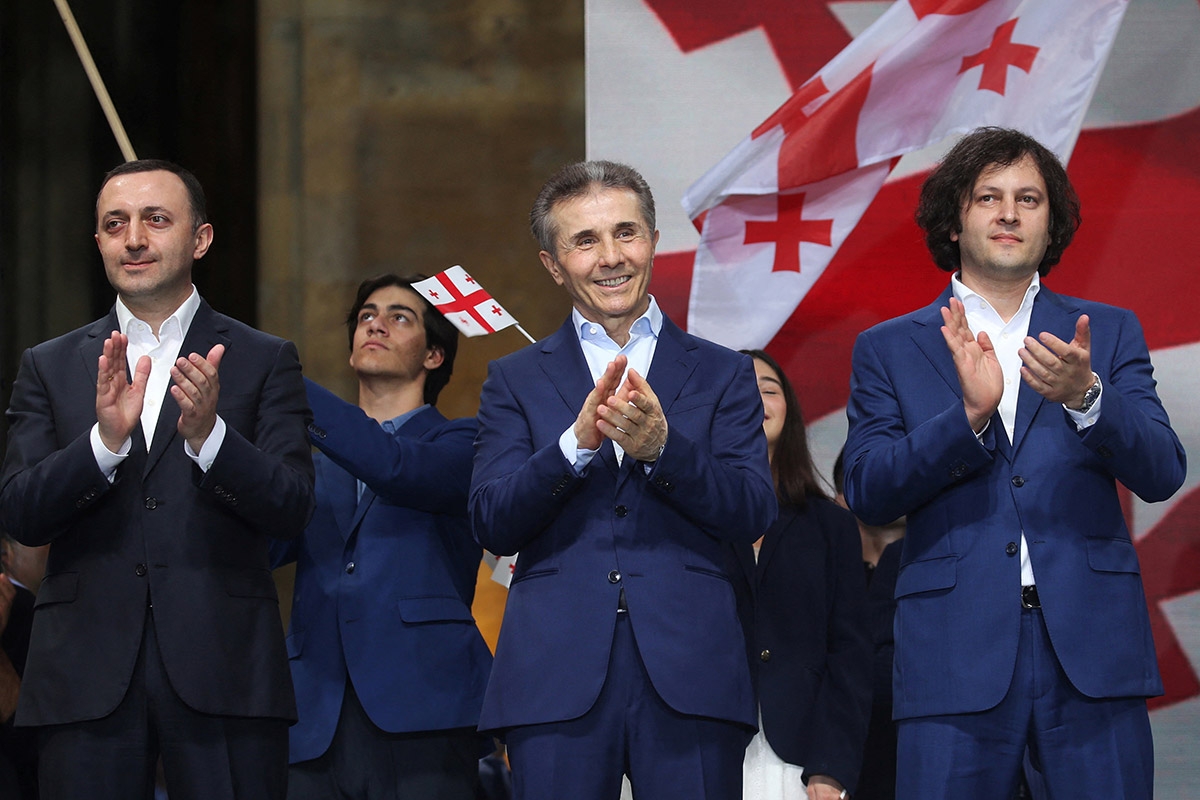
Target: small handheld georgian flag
{"x": 464, "y": 302}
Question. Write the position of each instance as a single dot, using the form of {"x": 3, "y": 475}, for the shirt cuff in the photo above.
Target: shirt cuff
{"x": 578, "y": 457}
{"x": 107, "y": 460}
{"x": 212, "y": 445}
{"x": 1086, "y": 419}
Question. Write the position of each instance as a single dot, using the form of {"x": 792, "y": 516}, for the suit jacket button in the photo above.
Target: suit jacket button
{"x": 765, "y": 655}
{"x": 1011, "y": 548}
{"x": 1018, "y": 481}
{"x": 140, "y": 570}
{"x": 621, "y": 511}
{"x": 614, "y": 577}
{"x": 151, "y": 503}
{"x": 350, "y": 568}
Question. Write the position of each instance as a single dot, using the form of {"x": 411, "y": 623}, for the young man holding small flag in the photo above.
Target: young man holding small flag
{"x": 388, "y": 664}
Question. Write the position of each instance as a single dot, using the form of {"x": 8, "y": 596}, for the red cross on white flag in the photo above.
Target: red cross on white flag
{"x": 465, "y": 303}
{"x": 774, "y": 211}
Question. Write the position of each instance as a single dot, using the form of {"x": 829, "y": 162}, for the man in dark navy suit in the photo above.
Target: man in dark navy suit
{"x": 617, "y": 455}
{"x": 159, "y": 449}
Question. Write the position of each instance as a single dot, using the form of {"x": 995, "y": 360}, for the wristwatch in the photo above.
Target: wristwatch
{"x": 1090, "y": 396}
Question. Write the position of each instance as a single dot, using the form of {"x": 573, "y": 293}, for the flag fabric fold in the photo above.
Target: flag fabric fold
{"x": 464, "y": 302}
{"x": 776, "y": 209}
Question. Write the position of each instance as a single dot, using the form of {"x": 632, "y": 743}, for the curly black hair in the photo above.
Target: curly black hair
{"x": 947, "y": 189}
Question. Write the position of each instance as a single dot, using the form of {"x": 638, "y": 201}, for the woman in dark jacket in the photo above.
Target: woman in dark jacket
{"x": 801, "y": 595}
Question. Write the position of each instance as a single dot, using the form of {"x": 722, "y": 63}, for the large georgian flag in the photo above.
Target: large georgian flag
{"x": 674, "y": 85}
{"x": 775, "y": 210}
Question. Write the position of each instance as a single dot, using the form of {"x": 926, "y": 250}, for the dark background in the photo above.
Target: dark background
{"x": 182, "y": 76}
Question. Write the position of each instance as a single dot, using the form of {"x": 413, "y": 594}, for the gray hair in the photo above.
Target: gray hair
{"x": 576, "y": 180}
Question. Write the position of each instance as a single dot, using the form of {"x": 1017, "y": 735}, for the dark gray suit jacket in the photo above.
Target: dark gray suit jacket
{"x": 193, "y": 544}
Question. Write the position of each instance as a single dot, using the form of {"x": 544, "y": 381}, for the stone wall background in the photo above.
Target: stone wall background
{"x": 409, "y": 137}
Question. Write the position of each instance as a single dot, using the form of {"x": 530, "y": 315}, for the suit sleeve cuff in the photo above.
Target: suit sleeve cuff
{"x": 578, "y": 457}
{"x": 107, "y": 460}
{"x": 208, "y": 451}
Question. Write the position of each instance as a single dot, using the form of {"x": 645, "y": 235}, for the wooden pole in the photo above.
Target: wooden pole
{"x": 89, "y": 66}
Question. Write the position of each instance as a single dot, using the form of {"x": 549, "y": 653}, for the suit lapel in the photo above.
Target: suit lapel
{"x": 745, "y": 558}
{"x": 1051, "y": 313}
{"x": 770, "y": 543}
{"x": 206, "y": 330}
{"x": 342, "y": 490}
{"x": 90, "y": 351}
{"x": 672, "y": 365}
{"x": 927, "y": 336}
{"x": 674, "y": 362}
{"x": 93, "y": 346}
{"x": 414, "y": 428}
{"x": 929, "y": 340}
{"x": 563, "y": 364}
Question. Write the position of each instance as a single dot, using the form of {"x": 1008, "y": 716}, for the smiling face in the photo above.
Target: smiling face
{"x": 146, "y": 236}
{"x": 770, "y": 388}
{"x": 1005, "y": 225}
{"x": 604, "y": 258}
{"x": 389, "y": 340}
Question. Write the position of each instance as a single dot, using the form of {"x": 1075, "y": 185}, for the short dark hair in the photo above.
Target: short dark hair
{"x": 947, "y": 189}
{"x": 791, "y": 465}
{"x": 195, "y": 191}
{"x": 576, "y": 180}
{"x": 440, "y": 333}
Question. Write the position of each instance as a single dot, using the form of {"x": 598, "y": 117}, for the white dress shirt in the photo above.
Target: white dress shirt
{"x": 163, "y": 349}
{"x": 1008, "y": 338}
{"x": 599, "y": 350}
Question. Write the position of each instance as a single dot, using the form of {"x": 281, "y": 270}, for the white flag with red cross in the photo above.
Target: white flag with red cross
{"x": 464, "y": 302}
{"x": 775, "y": 210}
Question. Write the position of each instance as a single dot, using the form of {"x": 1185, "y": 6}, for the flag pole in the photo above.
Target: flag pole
{"x": 525, "y": 333}
{"x": 89, "y": 66}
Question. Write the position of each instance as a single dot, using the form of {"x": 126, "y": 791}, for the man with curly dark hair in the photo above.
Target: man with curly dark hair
{"x": 999, "y": 419}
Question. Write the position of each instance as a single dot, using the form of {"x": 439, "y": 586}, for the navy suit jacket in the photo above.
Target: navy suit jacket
{"x": 384, "y": 583}
{"x": 911, "y": 451}
{"x": 193, "y": 542}
{"x": 584, "y": 538}
{"x": 803, "y": 605}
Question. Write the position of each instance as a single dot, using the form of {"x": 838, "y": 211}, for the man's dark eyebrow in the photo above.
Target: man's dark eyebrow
{"x": 393, "y": 307}
{"x": 143, "y": 211}
{"x": 993, "y": 189}
{"x": 592, "y": 231}
{"x": 580, "y": 234}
